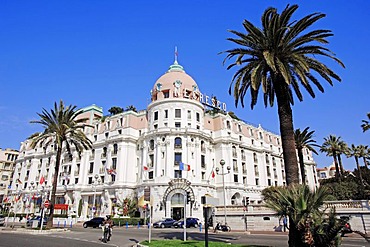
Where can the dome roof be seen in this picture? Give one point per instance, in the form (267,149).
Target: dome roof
(175,83)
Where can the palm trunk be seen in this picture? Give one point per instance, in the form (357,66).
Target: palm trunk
(287,131)
(365,163)
(337,172)
(301,166)
(340,165)
(294,235)
(359,171)
(54,189)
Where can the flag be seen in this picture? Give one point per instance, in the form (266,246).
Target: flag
(184,167)
(213,174)
(42,180)
(19,181)
(146,168)
(111,171)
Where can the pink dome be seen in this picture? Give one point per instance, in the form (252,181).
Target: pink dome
(175,83)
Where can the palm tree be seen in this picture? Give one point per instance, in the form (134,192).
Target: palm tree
(331,147)
(303,207)
(365,154)
(366,126)
(279,58)
(131,108)
(115,110)
(355,151)
(342,149)
(303,139)
(63,128)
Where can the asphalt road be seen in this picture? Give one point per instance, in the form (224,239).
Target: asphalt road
(128,237)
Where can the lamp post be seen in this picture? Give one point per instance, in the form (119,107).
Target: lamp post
(32,187)
(222,163)
(96,182)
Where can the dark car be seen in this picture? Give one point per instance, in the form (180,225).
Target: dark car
(346,229)
(168,222)
(190,222)
(29,222)
(2,220)
(94,222)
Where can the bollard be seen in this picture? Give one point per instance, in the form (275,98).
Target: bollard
(138,225)
(200,227)
(71,223)
(65,224)
(126,225)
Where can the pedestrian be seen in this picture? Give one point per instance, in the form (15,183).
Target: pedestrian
(285,223)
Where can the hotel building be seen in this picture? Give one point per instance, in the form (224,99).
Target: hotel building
(169,153)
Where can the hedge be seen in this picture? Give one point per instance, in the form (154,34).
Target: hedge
(130,221)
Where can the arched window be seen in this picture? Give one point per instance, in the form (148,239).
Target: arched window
(202,146)
(151,144)
(255,158)
(243,154)
(228,124)
(115,149)
(177,199)
(234,152)
(236,199)
(178,142)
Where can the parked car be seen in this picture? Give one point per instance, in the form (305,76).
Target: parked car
(29,222)
(94,222)
(168,222)
(2,220)
(190,222)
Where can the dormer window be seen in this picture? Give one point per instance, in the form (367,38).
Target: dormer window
(166,94)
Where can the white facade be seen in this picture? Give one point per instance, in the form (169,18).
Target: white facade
(134,151)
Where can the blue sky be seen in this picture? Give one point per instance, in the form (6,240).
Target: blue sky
(110,53)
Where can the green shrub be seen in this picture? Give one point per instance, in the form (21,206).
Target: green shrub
(130,221)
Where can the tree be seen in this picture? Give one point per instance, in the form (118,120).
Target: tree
(115,110)
(364,153)
(303,139)
(279,58)
(366,126)
(355,151)
(331,147)
(63,128)
(306,214)
(342,149)
(131,108)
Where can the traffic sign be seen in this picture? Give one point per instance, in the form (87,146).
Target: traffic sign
(46,204)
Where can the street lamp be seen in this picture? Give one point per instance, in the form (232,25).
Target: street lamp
(222,163)
(97,181)
(32,187)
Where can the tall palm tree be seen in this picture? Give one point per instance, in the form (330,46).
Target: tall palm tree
(63,128)
(355,151)
(302,206)
(303,139)
(364,153)
(342,149)
(366,123)
(331,147)
(280,57)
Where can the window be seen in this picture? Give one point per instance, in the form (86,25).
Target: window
(178,142)
(203,175)
(234,152)
(267,159)
(155,126)
(261,136)
(228,125)
(235,178)
(91,168)
(202,147)
(150,175)
(178,158)
(177,113)
(269,182)
(198,117)
(178,174)
(114,163)
(166,94)
(245,180)
(189,115)
(165,113)
(257,181)
(235,165)
(177,124)
(151,144)
(156,116)
(151,160)
(255,158)
(203,161)
(239,128)
(90,180)
(115,149)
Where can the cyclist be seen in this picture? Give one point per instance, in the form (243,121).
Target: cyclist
(108,222)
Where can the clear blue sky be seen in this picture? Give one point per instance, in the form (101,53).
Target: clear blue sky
(110,53)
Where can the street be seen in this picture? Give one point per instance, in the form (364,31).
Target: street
(128,237)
